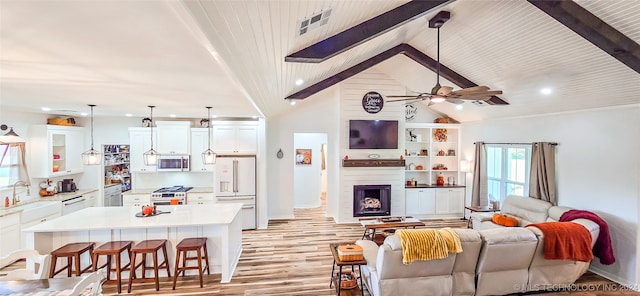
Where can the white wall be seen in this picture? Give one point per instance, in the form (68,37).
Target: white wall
(597,165)
(307,189)
(314,115)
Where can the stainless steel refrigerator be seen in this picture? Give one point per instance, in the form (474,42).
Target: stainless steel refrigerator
(236,182)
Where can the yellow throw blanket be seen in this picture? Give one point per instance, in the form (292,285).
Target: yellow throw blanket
(428,244)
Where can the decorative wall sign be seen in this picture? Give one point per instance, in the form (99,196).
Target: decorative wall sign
(372,102)
(410,111)
(303,156)
(279,154)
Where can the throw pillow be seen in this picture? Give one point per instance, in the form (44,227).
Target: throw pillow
(504,220)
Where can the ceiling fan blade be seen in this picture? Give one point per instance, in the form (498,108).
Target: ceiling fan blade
(473,89)
(408,99)
(407,96)
(475,94)
(455,101)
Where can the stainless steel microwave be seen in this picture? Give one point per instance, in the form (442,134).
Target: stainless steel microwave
(173,163)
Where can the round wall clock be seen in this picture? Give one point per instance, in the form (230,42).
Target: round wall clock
(410,112)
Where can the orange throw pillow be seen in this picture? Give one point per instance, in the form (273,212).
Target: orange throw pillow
(504,220)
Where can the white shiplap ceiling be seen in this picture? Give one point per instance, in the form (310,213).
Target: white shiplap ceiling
(184,55)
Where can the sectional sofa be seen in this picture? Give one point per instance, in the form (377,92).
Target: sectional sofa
(495,260)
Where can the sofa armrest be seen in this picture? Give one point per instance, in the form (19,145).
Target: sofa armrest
(593,227)
(369,251)
(481,216)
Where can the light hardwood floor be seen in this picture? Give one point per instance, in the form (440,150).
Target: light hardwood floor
(292,257)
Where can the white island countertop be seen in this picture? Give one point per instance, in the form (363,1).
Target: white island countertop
(95,218)
(221,224)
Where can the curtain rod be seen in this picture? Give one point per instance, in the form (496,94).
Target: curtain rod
(552,143)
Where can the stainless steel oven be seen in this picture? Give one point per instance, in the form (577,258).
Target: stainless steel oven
(176,195)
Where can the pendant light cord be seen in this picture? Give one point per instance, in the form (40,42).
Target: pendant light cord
(92,125)
(209,127)
(151,125)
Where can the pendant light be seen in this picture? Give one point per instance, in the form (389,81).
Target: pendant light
(10,137)
(208,156)
(91,156)
(151,156)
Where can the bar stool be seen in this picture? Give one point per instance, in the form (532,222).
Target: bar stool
(109,249)
(70,251)
(185,246)
(144,248)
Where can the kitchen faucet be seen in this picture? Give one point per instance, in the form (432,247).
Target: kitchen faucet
(25,184)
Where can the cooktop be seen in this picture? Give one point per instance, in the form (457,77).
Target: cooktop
(174,189)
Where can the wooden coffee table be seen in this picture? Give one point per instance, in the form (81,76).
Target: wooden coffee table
(372,224)
(340,264)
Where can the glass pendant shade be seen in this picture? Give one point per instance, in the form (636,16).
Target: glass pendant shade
(208,156)
(151,157)
(91,156)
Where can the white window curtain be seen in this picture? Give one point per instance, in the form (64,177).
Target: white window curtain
(12,156)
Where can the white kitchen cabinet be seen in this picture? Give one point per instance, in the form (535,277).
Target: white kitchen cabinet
(200,198)
(420,202)
(199,143)
(241,139)
(56,150)
(137,200)
(173,137)
(140,142)
(10,233)
(449,201)
(36,215)
(91,199)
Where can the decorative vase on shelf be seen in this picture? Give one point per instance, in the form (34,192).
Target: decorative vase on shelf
(440,179)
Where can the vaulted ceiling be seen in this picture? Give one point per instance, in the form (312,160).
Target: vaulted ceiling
(183,56)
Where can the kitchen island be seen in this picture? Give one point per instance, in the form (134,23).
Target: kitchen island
(220,223)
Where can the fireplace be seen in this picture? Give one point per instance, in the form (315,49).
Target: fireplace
(371,200)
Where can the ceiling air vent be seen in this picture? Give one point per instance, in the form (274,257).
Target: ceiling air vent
(316,20)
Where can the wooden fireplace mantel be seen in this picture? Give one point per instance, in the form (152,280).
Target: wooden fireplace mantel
(373,163)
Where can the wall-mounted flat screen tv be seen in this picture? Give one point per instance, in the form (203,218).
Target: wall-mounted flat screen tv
(373,134)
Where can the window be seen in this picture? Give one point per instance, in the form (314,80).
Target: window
(508,169)
(9,165)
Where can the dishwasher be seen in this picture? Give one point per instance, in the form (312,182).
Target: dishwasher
(73,205)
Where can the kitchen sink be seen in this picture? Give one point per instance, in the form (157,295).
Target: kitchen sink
(39,209)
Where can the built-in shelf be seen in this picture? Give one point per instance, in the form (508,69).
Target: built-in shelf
(373,163)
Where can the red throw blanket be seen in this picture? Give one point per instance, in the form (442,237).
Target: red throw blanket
(565,241)
(603,248)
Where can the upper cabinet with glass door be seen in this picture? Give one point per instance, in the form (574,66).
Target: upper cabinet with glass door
(56,150)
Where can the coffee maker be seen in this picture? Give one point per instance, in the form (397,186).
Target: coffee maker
(67,185)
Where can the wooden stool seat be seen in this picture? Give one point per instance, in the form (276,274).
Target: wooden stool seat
(144,248)
(109,249)
(70,251)
(185,246)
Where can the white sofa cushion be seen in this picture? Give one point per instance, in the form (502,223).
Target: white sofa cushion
(526,209)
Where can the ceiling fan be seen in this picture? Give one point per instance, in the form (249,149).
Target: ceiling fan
(440,93)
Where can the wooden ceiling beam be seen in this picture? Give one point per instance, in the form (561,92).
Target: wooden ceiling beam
(365,31)
(406,49)
(593,29)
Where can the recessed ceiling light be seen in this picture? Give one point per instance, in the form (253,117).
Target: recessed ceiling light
(84,114)
(128,115)
(546,91)
(299,81)
(46,109)
(459,107)
(254,116)
(172,115)
(214,116)
(292,102)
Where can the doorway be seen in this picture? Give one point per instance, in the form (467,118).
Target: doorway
(309,171)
